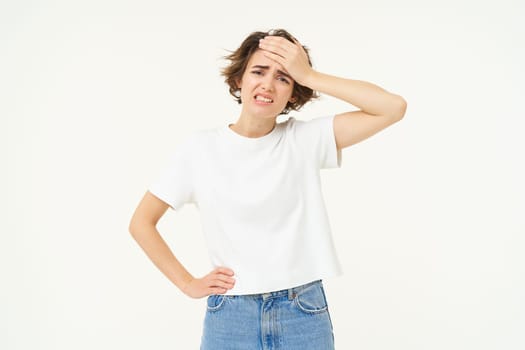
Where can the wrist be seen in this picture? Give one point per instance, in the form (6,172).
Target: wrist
(183,285)
(309,79)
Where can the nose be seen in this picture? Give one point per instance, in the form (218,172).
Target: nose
(267,83)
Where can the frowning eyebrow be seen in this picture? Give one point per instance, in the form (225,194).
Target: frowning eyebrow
(268,67)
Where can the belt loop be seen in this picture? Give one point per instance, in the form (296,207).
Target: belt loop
(291,294)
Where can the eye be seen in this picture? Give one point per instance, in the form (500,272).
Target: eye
(257,72)
(283,79)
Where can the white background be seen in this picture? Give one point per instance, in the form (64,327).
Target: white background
(427,215)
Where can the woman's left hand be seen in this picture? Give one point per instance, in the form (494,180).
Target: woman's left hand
(290,55)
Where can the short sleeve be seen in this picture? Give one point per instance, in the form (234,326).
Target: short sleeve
(174,184)
(317,136)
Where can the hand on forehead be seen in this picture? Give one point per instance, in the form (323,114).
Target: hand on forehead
(277,43)
(260,59)
(291,55)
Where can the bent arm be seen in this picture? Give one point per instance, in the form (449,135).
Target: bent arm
(378,107)
(143,229)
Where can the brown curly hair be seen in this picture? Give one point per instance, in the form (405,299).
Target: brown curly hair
(239,60)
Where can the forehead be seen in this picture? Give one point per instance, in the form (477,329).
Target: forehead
(258,58)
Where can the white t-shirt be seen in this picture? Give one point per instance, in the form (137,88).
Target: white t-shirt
(260,200)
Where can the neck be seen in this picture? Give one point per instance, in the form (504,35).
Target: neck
(253,127)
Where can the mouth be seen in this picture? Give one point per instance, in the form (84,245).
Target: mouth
(264,99)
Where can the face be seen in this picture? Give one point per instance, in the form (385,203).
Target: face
(265,87)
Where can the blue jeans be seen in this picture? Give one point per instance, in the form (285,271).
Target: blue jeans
(291,319)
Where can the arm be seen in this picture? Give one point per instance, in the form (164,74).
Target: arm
(378,108)
(143,229)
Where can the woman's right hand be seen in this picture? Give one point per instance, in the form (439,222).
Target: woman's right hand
(219,281)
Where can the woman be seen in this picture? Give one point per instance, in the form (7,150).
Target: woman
(256,184)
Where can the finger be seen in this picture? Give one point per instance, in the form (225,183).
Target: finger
(221,281)
(222,284)
(283,43)
(225,279)
(213,278)
(274,57)
(274,48)
(224,270)
(275,42)
(279,41)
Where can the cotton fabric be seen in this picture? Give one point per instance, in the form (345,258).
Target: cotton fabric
(260,200)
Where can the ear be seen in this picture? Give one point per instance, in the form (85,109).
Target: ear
(238,83)
(292,99)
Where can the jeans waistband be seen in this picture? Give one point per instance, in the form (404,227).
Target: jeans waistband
(290,292)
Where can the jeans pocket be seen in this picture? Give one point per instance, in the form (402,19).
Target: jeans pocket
(311,300)
(215,302)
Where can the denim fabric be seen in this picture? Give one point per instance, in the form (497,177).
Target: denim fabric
(291,319)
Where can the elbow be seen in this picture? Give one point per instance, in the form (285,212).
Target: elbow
(133,225)
(139,226)
(133,228)
(146,215)
(136,227)
(400,109)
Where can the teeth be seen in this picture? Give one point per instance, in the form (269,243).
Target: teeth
(263,99)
